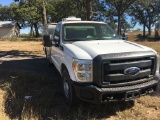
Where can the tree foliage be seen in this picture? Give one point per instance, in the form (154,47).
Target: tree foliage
(5,13)
(113,12)
(78,8)
(145,13)
(29,13)
(118,7)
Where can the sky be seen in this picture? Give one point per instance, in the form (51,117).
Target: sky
(26,30)
(6,2)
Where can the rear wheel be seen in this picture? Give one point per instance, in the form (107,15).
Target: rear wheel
(45,51)
(68,90)
(48,58)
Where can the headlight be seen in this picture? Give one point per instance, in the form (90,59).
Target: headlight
(83,70)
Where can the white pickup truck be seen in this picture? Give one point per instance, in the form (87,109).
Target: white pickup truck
(97,66)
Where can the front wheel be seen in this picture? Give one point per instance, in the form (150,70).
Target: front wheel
(69,93)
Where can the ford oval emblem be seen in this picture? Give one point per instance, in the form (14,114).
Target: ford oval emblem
(132,71)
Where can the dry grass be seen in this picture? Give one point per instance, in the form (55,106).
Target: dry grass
(34,48)
(3,116)
(47,99)
(154,45)
(150,42)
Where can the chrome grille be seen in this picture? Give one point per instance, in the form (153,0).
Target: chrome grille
(113,70)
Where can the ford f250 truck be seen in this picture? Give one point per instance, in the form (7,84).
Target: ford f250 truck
(97,66)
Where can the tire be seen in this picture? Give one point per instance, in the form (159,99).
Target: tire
(68,90)
(45,51)
(50,64)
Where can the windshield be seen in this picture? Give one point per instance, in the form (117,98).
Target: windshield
(88,31)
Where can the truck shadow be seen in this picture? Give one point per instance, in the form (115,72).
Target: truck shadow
(33,90)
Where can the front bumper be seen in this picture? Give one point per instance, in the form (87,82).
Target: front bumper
(94,94)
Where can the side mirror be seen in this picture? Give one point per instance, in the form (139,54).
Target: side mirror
(125,36)
(47,41)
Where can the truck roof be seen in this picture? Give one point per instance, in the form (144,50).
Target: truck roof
(63,22)
(52,26)
(73,19)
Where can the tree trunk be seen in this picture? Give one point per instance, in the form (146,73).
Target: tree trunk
(89,9)
(44,14)
(44,18)
(149,29)
(120,30)
(31,31)
(144,30)
(119,24)
(36,29)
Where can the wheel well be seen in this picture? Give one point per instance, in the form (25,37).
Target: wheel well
(63,67)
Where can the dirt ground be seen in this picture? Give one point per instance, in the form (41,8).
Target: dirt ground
(31,90)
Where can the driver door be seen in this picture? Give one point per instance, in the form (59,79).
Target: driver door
(55,51)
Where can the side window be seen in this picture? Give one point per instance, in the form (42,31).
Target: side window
(57,33)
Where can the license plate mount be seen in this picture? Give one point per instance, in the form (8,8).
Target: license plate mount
(132,94)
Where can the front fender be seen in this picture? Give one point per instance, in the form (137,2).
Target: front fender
(71,51)
(67,62)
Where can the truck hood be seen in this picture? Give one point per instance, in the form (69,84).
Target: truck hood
(99,47)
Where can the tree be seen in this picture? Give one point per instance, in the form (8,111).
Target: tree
(78,8)
(58,9)
(30,12)
(120,6)
(139,16)
(124,24)
(108,13)
(145,13)
(5,14)
(152,13)
(89,9)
